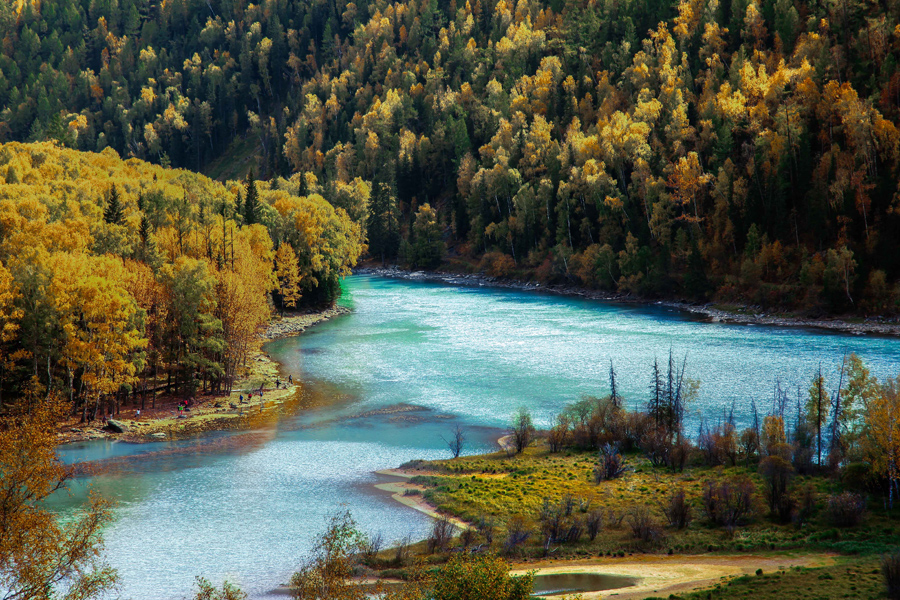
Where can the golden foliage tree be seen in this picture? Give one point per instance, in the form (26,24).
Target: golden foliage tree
(40,556)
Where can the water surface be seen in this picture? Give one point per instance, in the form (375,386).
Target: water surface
(481,353)
(247,506)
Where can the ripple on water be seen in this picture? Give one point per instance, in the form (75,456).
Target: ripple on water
(248,508)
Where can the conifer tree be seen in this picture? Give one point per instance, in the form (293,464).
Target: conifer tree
(251,204)
(113,212)
(144,230)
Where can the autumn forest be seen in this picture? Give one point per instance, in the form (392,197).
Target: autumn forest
(740,151)
(175,175)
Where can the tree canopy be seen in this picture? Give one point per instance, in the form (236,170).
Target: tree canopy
(116,276)
(741,149)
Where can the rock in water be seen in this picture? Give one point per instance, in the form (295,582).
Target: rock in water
(115,426)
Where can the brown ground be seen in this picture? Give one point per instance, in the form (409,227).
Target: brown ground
(665,575)
(657,575)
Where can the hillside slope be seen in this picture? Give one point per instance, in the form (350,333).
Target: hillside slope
(741,150)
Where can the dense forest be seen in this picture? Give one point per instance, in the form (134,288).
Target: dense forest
(122,276)
(738,150)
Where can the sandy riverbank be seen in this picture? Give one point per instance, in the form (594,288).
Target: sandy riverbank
(664,575)
(214,412)
(654,574)
(409,494)
(747,315)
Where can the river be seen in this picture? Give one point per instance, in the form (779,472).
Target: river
(247,506)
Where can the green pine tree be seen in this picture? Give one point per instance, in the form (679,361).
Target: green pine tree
(144,230)
(113,212)
(251,204)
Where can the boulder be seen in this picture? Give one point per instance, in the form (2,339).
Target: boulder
(116,426)
(159,435)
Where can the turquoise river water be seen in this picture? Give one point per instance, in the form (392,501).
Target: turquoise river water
(246,506)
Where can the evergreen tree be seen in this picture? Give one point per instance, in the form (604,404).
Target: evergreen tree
(696,284)
(251,204)
(113,212)
(383,224)
(144,230)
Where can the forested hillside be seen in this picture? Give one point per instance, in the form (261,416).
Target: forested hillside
(736,149)
(120,276)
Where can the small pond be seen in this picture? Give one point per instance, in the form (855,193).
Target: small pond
(576,583)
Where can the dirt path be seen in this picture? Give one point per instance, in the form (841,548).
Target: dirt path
(665,575)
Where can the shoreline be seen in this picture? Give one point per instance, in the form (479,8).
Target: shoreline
(400,489)
(653,574)
(657,575)
(220,412)
(709,311)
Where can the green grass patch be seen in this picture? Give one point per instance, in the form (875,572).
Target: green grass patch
(849,578)
(498,487)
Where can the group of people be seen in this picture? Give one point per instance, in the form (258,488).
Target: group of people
(260,391)
(182,409)
(290,382)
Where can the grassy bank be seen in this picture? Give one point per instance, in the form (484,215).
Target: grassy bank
(536,508)
(508,489)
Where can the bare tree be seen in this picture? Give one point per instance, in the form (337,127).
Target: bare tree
(613,388)
(456,441)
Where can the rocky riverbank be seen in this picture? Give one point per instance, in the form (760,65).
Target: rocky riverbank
(296,324)
(749,315)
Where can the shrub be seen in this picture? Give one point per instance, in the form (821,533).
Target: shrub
(678,510)
(517,533)
(657,447)
(750,444)
(557,523)
(634,428)
(594,523)
(857,476)
(522,429)
(806,505)
(575,531)
(482,576)
(728,503)
(718,445)
(441,533)
(559,434)
(497,264)
(485,527)
(643,526)
(777,474)
(890,570)
(467,537)
(372,546)
(678,456)
(206,591)
(611,464)
(551,518)
(401,550)
(845,510)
